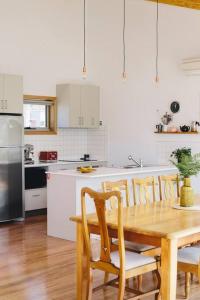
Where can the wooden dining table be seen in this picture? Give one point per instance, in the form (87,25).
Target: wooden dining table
(157,224)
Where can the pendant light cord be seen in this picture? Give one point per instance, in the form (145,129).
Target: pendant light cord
(84,33)
(157,41)
(124,39)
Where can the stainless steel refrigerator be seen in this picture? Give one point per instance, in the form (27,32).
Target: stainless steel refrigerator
(11,167)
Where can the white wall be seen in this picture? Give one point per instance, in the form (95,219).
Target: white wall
(42,40)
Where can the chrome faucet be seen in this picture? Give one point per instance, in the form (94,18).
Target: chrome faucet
(139,164)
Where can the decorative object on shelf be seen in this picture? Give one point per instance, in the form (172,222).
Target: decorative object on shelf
(185,128)
(159,128)
(124,75)
(175,107)
(188,166)
(157,42)
(178,153)
(194,126)
(172,129)
(166,119)
(84,71)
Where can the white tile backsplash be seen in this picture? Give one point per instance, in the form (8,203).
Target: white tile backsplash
(97,143)
(71,143)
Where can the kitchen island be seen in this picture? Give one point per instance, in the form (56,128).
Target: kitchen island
(64,190)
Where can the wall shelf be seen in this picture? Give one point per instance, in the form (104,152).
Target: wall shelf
(177,132)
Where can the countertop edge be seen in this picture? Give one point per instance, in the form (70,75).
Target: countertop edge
(122,173)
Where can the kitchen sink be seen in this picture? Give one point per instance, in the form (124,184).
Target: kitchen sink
(130,167)
(147,165)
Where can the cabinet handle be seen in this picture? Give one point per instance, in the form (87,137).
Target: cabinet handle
(2,106)
(79,121)
(82,123)
(6,104)
(36,195)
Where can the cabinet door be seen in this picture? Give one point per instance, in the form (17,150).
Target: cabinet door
(90,106)
(2,102)
(13,94)
(75,106)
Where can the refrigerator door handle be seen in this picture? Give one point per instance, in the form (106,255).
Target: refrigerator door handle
(3,147)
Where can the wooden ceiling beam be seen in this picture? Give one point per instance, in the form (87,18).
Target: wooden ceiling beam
(194,4)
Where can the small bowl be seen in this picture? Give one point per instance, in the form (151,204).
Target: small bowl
(85,170)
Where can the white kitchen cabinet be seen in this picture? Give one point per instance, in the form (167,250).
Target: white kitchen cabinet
(78,106)
(90,106)
(11,94)
(35,199)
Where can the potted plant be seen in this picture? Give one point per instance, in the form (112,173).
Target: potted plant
(178,153)
(188,165)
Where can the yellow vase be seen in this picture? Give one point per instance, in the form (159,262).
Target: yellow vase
(187,195)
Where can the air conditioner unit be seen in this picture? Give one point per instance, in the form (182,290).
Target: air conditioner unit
(191,66)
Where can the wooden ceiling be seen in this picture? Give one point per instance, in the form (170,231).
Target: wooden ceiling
(195,4)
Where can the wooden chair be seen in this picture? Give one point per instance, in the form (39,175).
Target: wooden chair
(189,263)
(122,263)
(122,185)
(169,187)
(143,188)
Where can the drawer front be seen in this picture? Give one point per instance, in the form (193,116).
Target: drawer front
(35,199)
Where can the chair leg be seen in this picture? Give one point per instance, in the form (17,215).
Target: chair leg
(121,287)
(187,285)
(156,275)
(155,278)
(90,283)
(106,277)
(139,279)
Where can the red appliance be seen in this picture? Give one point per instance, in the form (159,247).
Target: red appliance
(48,156)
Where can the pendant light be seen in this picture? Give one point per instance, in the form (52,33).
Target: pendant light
(124,76)
(84,70)
(157,42)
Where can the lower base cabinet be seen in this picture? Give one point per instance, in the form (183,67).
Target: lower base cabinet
(35,199)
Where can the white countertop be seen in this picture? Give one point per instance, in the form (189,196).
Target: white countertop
(43,164)
(104,172)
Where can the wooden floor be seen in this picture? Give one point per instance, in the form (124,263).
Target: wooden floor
(34,266)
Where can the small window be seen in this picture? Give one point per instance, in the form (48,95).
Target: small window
(39,115)
(36,116)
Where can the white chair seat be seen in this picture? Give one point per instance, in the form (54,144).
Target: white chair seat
(132,260)
(136,247)
(190,255)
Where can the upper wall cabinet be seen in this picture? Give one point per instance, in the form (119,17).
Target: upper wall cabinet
(11,94)
(78,106)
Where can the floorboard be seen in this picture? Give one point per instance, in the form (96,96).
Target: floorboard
(36,267)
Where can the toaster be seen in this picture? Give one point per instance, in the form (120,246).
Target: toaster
(48,156)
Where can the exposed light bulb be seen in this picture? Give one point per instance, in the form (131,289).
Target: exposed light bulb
(84,73)
(157,79)
(124,76)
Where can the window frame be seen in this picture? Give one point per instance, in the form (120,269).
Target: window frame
(52,118)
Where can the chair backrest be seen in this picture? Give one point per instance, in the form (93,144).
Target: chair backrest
(169,187)
(100,205)
(144,191)
(120,185)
